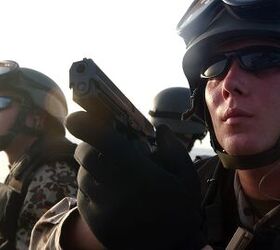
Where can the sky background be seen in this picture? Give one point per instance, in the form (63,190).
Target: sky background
(134,42)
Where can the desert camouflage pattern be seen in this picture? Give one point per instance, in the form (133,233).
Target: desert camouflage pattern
(50,184)
(47,231)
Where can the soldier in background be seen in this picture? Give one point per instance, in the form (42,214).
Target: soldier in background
(168,107)
(41,166)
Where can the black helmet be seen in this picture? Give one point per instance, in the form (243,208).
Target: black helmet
(209,23)
(206,25)
(37,89)
(168,107)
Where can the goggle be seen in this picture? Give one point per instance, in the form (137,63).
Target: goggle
(7,66)
(254,9)
(202,13)
(6,101)
(253,59)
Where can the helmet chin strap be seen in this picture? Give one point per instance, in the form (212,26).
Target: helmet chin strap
(253,161)
(258,160)
(18,127)
(5,140)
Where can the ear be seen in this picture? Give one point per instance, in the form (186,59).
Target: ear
(35,119)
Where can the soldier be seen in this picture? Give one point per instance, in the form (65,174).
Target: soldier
(41,164)
(169,105)
(232,63)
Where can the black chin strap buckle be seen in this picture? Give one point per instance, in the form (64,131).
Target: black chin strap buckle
(186,115)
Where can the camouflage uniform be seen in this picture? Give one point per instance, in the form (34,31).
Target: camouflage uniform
(222,220)
(50,182)
(47,231)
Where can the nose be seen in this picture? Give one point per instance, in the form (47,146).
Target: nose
(235,81)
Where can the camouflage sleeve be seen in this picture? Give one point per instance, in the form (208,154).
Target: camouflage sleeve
(46,232)
(50,184)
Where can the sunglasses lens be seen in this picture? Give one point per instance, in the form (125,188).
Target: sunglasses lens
(216,68)
(256,58)
(260,60)
(5,102)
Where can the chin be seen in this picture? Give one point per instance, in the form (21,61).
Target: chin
(241,146)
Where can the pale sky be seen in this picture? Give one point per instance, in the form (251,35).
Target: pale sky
(134,42)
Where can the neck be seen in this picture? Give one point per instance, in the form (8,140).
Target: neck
(261,183)
(18,146)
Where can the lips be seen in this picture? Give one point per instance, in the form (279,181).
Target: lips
(235,113)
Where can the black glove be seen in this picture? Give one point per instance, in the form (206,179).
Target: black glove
(128,200)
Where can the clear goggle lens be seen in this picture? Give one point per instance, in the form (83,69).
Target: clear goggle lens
(260,10)
(249,3)
(5,102)
(7,66)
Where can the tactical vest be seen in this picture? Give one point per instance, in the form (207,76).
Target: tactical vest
(12,195)
(221,217)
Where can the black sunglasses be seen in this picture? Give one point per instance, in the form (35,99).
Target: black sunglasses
(253,59)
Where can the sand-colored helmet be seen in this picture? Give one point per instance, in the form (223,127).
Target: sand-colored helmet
(43,92)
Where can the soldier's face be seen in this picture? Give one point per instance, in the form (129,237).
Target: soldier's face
(245,106)
(9,109)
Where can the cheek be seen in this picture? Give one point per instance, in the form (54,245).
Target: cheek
(211,99)
(7,119)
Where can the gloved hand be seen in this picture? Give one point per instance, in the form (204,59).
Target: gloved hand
(132,200)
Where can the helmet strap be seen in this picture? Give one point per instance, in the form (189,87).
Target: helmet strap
(258,160)
(251,161)
(261,159)
(5,140)
(186,115)
(18,127)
